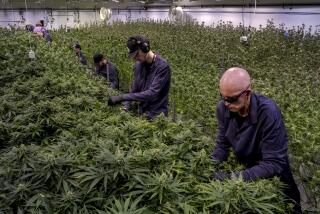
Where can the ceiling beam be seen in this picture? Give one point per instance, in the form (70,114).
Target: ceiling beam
(144,4)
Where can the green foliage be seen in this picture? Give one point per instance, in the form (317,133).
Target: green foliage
(63,150)
(236,197)
(126,207)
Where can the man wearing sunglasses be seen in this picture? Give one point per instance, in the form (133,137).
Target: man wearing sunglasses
(251,124)
(152,74)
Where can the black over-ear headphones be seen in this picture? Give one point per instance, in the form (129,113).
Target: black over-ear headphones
(144,46)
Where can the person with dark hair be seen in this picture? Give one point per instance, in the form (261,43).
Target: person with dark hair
(107,69)
(251,124)
(42,23)
(152,75)
(29,27)
(40,31)
(79,54)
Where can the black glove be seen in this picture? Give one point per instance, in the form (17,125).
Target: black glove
(221,176)
(113,100)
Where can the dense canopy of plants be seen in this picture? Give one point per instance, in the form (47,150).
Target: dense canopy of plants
(64,150)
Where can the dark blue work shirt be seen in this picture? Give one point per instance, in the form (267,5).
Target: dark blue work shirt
(151,87)
(82,58)
(47,36)
(110,72)
(259,140)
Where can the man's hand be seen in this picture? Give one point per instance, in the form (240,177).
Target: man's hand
(113,100)
(221,176)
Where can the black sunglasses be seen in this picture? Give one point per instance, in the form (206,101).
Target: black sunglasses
(233,98)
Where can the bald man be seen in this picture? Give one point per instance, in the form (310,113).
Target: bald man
(251,124)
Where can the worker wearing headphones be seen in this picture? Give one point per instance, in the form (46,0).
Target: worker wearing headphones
(152,75)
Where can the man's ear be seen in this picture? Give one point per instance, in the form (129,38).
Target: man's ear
(248,93)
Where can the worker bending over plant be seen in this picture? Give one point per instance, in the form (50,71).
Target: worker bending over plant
(107,69)
(42,32)
(79,54)
(152,75)
(251,124)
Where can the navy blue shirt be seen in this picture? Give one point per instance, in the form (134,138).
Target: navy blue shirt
(151,87)
(47,36)
(259,140)
(109,71)
(82,58)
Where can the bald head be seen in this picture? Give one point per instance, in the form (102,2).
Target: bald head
(233,81)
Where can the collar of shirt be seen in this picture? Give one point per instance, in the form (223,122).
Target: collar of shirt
(253,109)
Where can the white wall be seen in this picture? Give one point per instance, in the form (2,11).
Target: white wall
(310,16)
(290,17)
